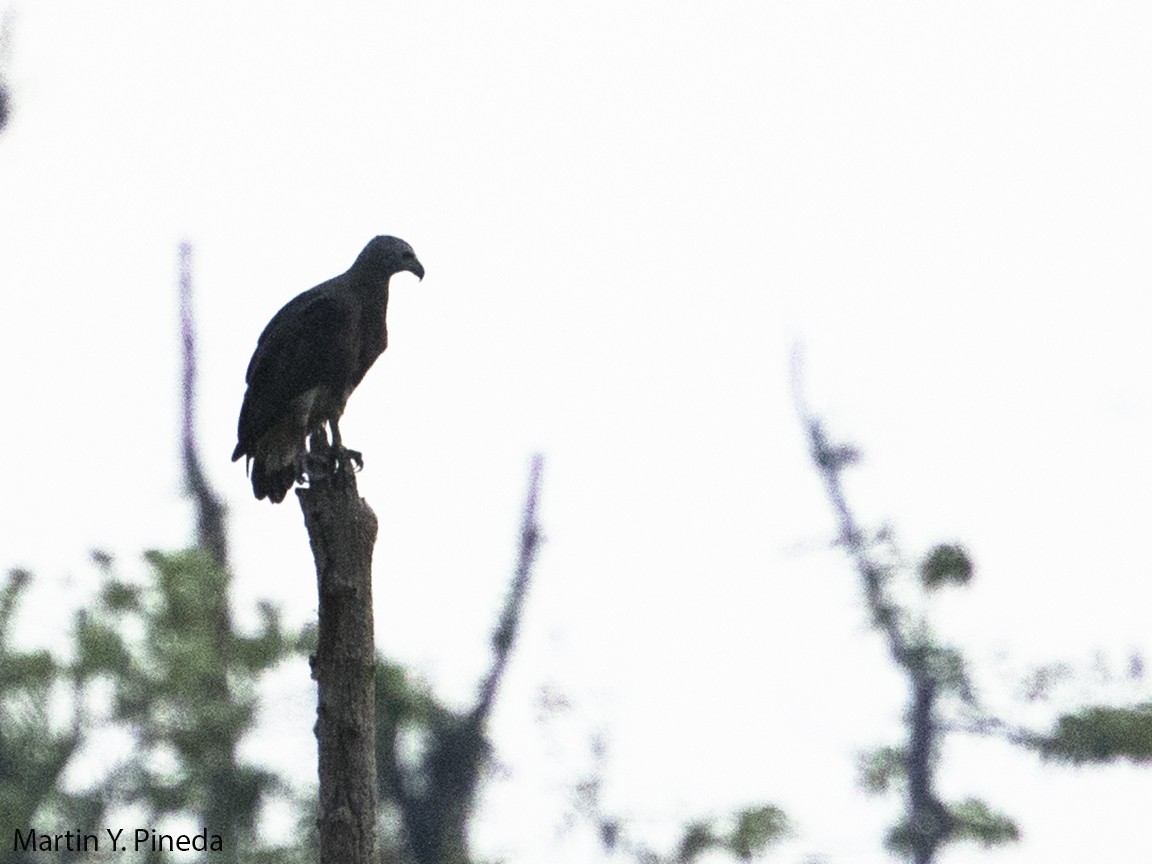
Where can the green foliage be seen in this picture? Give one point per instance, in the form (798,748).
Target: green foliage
(971,819)
(20,670)
(120,597)
(99,648)
(185,687)
(945,666)
(1101,733)
(432,790)
(753,830)
(885,768)
(756,828)
(975,821)
(33,755)
(27,670)
(946,564)
(882,768)
(18,579)
(899,839)
(950,670)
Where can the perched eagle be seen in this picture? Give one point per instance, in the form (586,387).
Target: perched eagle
(308,361)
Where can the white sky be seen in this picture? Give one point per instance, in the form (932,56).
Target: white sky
(628,213)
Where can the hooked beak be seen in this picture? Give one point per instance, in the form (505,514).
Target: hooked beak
(418,269)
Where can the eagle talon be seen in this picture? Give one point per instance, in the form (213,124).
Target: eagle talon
(344,462)
(350,457)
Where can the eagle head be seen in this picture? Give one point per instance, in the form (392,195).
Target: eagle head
(385,255)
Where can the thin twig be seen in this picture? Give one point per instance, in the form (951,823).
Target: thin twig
(505,635)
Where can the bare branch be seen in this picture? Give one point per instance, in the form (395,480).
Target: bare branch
(210,512)
(928,822)
(505,635)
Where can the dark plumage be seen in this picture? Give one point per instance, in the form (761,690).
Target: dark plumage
(308,361)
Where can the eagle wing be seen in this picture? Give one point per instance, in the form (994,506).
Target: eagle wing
(312,342)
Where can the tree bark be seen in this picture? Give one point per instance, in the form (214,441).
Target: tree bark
(928,818)
(342,530)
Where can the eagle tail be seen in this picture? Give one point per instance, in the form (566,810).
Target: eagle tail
(272,483)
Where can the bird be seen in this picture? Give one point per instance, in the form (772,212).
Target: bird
(309,359)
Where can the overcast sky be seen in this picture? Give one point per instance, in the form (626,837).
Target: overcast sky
(629,214)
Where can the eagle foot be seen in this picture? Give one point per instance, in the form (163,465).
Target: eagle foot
(332,463)
(344,463)
(344,457)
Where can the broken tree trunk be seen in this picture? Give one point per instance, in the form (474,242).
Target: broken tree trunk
(342,530)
